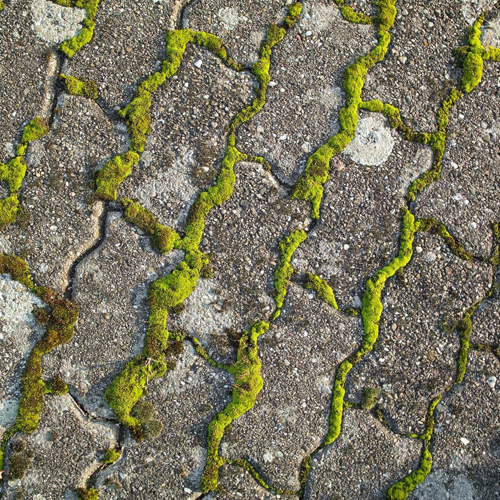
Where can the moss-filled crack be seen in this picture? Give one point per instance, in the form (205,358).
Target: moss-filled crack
(14,171)
(58,320)
(316,174)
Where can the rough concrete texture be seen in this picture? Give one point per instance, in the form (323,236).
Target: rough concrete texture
(277,351)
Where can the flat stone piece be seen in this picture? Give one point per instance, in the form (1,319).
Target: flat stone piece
(414,359)
(127,46)
(173,462)
(359,226)
(345,469)
(241,25)
(66,441)
(299,355)
(59,224)
(466,451)
(305,93)
(23,72)
(465,199)
(178,163)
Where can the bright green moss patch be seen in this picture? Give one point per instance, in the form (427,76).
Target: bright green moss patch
(2,6)
(163,238)
(248,383)
(284,271)
(113,174)
(294,11)
(34,130)
(371,314)
(322,288)
(73,45)
(310,184)
(402,489)
(111,456)
(354,17)
(472,71)
(14,171)
(82,88)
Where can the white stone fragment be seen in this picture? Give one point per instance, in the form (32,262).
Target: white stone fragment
(465,441)
(373,142)
(54,23)
(492,381)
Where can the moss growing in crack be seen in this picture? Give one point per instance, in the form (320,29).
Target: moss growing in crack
(73,45)
(436,227)
(402,489)
(370,397)
(2,6)
(371,314)
(63,315)
(294,11)
(284,271)
(310,184)
(163,238)
(352,16)
(77,87)
(248,383)
(113,173)
(111,456)
(322,288)
(14,171)
(87,494)
(57,387)
(34,130)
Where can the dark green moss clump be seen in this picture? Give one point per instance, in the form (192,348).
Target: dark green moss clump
(87,494)
(82,88)
(152,429)
(370,397)
(20,460)
(113,173)
(143,410)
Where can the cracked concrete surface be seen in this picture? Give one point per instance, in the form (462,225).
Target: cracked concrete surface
(230,343)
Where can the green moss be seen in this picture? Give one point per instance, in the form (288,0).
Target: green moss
(352,16)
(82,88)
(310,184)
(284,271)
(19,463)
(113,174)
(436,227)
(73,45)
(87,494)
(403,488)
(111,456)
(294,11)
(248,383)
(163,238)
(58,387)
(322,288)
(34,130)
(370,397)
(143,411)
(472,71)
(2,6)
(152,429)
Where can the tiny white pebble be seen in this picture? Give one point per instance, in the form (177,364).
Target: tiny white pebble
(465,441)
(198,63)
